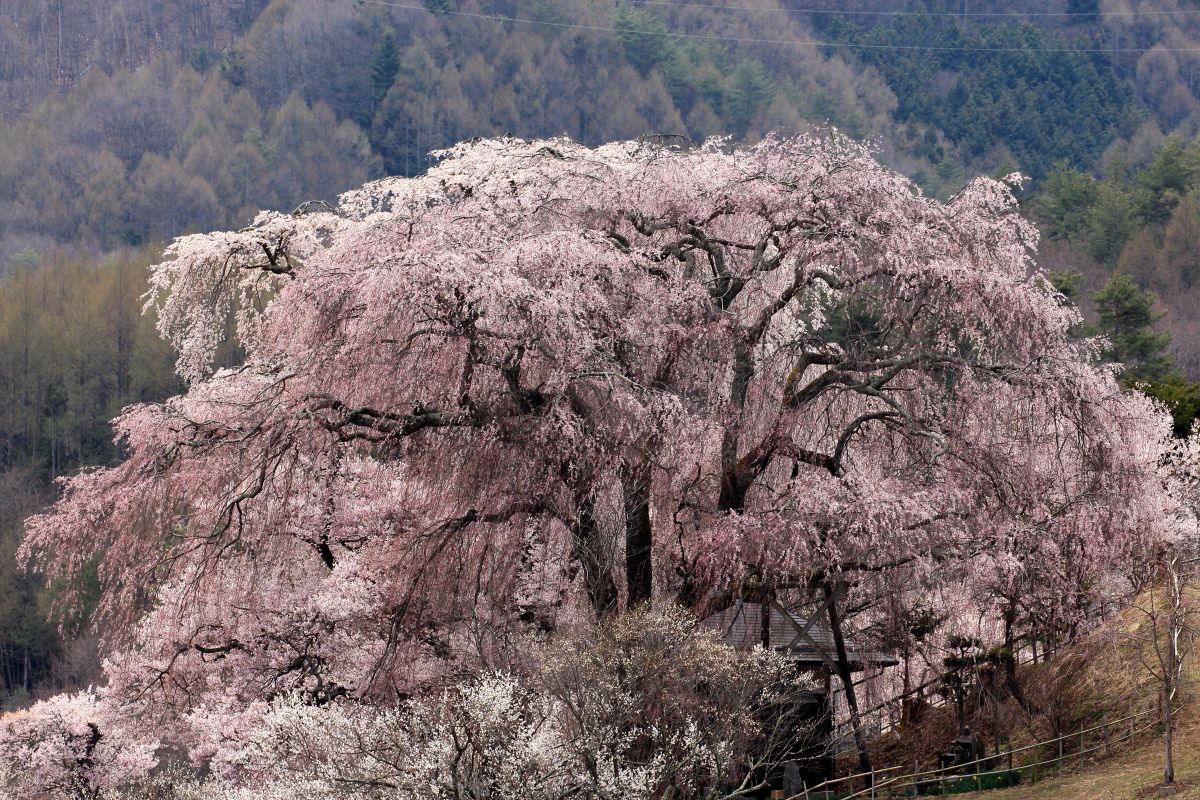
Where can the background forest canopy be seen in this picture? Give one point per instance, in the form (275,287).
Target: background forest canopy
(124,124)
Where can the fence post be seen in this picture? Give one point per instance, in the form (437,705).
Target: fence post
(1081,749)
(1010,756)
(1107,748)
(1060,754)
(872,783)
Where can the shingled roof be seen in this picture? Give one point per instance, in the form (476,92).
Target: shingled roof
(740,626)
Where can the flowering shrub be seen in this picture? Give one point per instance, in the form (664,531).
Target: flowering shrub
(71,746)
(646,703)
(643,703)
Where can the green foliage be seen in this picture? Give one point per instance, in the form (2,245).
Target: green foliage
(1103,217)
(384,66)
(1144,221)
(751,89)
(1167,177)
(1181,243)
(201,58)
(1180,396)
(233,67)
(1069,282)
(1127,318)
(1112,219)
(999,84)
(962,784)
(640,32)
(27,259)
(1064,201)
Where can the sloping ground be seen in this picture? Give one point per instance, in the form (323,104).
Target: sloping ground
(1129,774)
(1099,679)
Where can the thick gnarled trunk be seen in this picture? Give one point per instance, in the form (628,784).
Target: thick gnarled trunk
(639,535)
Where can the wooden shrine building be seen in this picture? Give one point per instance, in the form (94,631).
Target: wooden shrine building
(761,620)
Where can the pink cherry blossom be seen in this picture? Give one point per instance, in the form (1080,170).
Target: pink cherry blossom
(544,382)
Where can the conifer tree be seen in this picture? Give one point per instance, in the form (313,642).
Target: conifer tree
(1127,317)
(384,66)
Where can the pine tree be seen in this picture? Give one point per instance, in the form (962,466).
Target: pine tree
(1127,317)
(384,67)
(638,31)
(752,91)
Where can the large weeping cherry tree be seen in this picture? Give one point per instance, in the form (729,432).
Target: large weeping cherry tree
(543,383)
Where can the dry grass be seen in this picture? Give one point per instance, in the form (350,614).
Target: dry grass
(1128,775)
(1135,769)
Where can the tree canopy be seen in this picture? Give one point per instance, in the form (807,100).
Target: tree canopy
(543,382)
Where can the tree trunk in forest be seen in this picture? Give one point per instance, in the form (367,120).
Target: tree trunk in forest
(1011,659)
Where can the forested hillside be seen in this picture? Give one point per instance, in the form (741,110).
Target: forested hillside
(317,96)
(74,350)
(124,124)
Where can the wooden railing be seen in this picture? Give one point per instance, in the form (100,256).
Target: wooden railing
(882,783)
(887,719)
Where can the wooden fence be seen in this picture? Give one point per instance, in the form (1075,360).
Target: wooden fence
(883,783)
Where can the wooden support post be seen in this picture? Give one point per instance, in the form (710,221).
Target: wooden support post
(1081,749)
(1107,746)
(1060,754)
(1010,756)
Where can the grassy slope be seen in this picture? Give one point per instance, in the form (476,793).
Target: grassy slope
(1135,768)
(1126,775)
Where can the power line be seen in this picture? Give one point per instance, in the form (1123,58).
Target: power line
(869,13)
(752,40)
